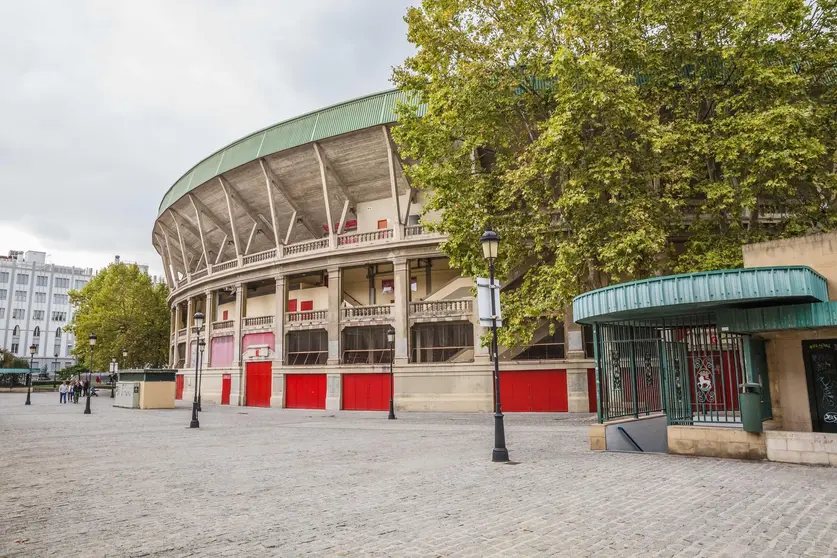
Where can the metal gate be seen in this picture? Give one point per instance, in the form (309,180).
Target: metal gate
(685,366)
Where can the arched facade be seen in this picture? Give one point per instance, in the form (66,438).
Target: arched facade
(302,245)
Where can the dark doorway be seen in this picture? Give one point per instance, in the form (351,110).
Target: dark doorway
(821,372)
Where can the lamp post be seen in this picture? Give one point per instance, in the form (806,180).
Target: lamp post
(92,340)
(391,340)
(198,325)
(490,241)
(112,375)
(55,371)
(199,356)
(32,350)
(116,374)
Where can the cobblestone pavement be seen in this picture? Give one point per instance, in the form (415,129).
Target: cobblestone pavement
(271,482)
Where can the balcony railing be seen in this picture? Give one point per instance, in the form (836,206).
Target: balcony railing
(258,321)
(367,312)
(231,264)
(181,333)
(414,230)
(224,324)
(260,257)
(361,238)
(455,307)
(303,247)
(200,273)
(307,316)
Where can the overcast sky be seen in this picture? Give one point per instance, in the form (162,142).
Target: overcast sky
(104,104)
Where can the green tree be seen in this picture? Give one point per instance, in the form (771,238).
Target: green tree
(608,140)
(8,361)
(125,311)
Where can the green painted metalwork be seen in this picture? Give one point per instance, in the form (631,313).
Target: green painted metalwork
(700,292)
(793,316)
(349,116)
(19,370)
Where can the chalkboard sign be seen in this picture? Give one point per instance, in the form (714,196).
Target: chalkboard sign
(821,372)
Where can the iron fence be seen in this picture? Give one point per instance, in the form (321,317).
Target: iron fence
(683,366)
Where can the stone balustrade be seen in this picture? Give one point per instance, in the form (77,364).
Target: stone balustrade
(260,257)
(224,324)
(258,321)
(364,313)
(364,237)
(307,316)
(231,264)
(304,247)
(434,308)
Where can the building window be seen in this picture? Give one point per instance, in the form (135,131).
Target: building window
(80,284)
(550,346)
(587,332)
(15,347)
(37,315)
(40,297)
(60,299)
(4,276)
(309,347)
(58,333)
(18,313)
(2,313)
(41,280)
(16,331)
(22,278)
(365,345)
(440,342)
(3,294)
(37,333)
(20,296)
(62,282)
(59,316)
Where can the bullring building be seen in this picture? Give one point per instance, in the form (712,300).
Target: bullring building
(302,245)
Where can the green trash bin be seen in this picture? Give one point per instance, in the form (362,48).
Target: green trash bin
(749,401)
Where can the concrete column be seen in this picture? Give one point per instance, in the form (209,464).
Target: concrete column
(334,393)
(335,290)
(573,337)
(173,334)
(209,316)
(190,311)
(238,319)
(279,321)
(277,395)
(402,296)
(578,401)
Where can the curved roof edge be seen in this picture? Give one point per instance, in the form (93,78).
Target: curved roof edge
(348,116)
(695,292)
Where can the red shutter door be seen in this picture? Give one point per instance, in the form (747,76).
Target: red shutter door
(258,384)
(306,305)
(591,389)
(305,391)
(292,305)
(178,389)
(226,388)
(534,391)
(365,392)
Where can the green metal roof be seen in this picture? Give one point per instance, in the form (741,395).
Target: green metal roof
(700,292)
(794,316)
(349,116)
(19,370)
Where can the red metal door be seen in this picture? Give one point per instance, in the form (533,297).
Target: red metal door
(257,392)
(178,387)
(305,391)
(366,392)
(534,391)
(226,388)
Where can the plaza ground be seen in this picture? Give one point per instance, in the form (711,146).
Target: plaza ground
(273,482)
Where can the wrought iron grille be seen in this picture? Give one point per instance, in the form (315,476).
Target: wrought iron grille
(684,366)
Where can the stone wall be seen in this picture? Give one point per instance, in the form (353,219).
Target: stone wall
(716,441)
(811,448)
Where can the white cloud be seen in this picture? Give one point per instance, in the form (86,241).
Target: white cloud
(105,103)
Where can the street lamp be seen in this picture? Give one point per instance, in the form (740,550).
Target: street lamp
(199,356)
(391,340)
(55,371)
(198,325)
(490,241)
(32,350)
(116,374)
(112,372)
(92,340)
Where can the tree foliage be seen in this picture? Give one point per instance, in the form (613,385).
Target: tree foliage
(609,140)
(125,311)
(9,361)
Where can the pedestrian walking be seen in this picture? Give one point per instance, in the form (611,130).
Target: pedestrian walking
(76,392)
(62,392)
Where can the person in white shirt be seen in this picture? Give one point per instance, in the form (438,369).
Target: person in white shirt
(62,392)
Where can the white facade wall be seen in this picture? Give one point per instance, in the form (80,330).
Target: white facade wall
(34,298)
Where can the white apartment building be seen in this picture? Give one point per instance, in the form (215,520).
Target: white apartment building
(35,307)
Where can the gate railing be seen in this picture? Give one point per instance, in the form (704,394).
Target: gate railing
(685,367)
